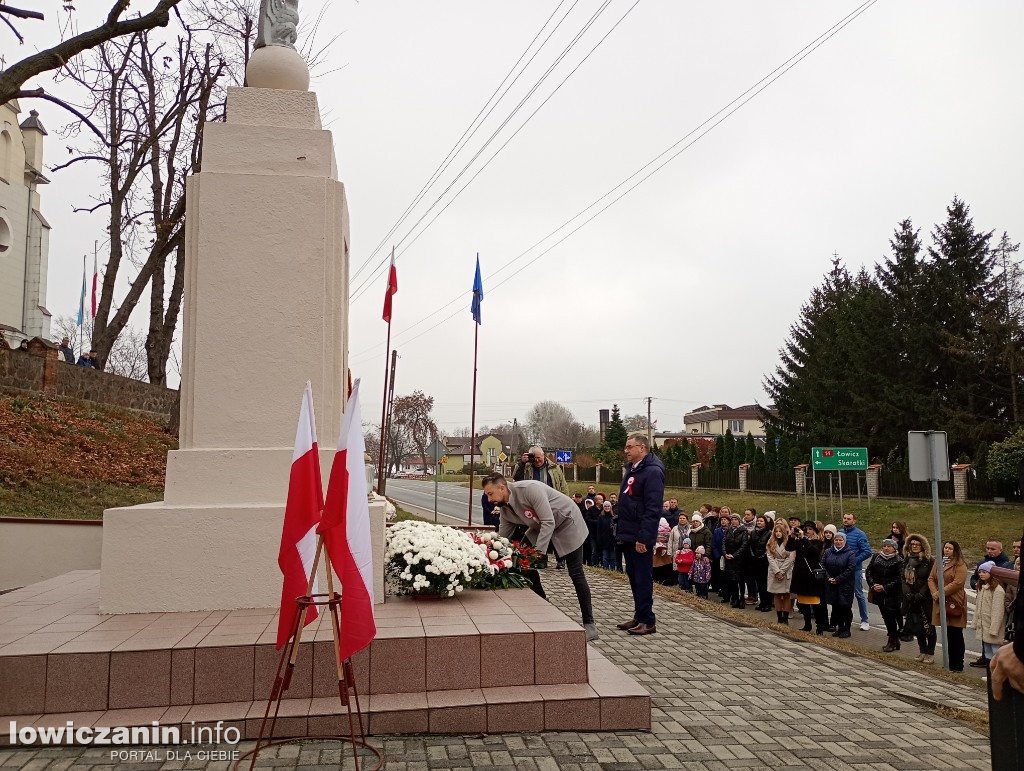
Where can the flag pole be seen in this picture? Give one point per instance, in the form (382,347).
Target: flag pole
(472,425)
(384,401)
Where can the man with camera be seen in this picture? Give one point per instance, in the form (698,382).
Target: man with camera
(534,465)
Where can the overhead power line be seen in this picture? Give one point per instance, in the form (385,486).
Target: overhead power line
(658,162)
(367,282)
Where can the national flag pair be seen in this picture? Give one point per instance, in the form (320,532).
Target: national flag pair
(344,525)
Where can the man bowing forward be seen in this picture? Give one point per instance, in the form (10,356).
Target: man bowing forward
(551,518)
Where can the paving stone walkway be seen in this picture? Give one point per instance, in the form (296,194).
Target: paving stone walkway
(723,697)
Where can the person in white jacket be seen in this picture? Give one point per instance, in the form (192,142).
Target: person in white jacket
(990,610)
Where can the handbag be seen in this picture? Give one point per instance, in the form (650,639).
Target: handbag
(819,573)
(954,609)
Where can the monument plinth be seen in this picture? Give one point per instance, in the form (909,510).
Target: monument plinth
(266,308)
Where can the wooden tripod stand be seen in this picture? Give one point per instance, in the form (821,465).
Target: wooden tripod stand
(347,690)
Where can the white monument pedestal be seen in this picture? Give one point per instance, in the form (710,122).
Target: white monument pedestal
(266,308)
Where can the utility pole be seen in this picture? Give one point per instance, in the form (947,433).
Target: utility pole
(650,429)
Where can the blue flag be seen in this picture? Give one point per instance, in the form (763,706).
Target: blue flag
(81,300)
(478,292)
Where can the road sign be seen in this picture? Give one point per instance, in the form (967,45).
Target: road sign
(503,457)
(444,459)
(929,456)
(564,456)
(839,458)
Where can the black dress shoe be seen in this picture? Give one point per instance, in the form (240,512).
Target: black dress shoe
(643,629)
(627,625)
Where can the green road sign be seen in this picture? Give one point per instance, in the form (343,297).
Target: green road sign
(839,458)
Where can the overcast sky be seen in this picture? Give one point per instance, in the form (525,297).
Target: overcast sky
(685,289)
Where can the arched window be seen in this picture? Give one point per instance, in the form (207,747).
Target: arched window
(6,155)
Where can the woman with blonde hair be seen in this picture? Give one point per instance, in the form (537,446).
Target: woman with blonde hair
(780,570)
(807,582)
(954,578)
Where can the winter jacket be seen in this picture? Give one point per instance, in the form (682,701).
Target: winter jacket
(889,574)
(807,559)
(640,497)
(701,537)
(759,542)
(857,540)
(700,572)
(549,474)
(736,543)
(684,561)
(990,614)
(1002,561)
(718,541)
(841,565)
(780,563)
(675,539)
(954,576)
(605,532)
(917,597)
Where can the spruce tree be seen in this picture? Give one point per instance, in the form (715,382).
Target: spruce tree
(615,434)
(750,449)
(718,459)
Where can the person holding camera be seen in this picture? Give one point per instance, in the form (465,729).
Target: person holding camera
(534,465)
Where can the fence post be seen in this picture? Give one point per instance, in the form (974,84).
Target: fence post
(597,473)
(874,471)
(744,467)
(575,472)
(960,482)
(694,475)
(801,478)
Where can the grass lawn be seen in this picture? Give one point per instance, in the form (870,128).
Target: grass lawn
(62,497)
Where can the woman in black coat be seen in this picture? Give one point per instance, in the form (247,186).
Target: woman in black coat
(917,597)
(840,563)
(758,567)
(736,546)
(809,589)
(884,577)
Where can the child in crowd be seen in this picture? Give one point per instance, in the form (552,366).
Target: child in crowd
(700,572)
(684,561)
(990,613)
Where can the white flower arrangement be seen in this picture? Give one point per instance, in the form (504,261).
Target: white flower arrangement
(426,558)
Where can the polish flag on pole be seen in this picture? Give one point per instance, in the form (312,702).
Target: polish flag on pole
(392,288)
(346,530)
(301,517)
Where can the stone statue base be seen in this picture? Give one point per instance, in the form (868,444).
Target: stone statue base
(266,308)
(277,67)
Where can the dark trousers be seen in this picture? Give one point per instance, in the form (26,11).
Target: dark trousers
(926,640)
(842,616)
(608,558)
(683,579)
(716,577)
(588,551)
(702,590)
(820,613)
(751,577)
(891,618)
(955,635)
(534,576)
(641,581)
(761,579)
(620,551)
(574,566)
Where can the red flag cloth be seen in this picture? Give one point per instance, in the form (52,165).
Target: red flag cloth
(95,283)
(392,288)
(301,517)
(346,530)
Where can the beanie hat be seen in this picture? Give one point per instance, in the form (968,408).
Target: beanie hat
(700,550)
(986,566)
(890,542)
(696,517)
(830,529)
(734,515)
(687,542)
(839,534)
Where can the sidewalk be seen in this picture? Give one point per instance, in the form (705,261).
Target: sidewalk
(724,697)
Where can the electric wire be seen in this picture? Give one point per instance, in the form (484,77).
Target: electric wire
(367,282)
(728,111)
(472,128)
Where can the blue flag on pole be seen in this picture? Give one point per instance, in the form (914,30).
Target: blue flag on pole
(478,292)
(81,300)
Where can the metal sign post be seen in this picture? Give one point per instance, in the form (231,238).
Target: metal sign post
(437,472)
(929,462)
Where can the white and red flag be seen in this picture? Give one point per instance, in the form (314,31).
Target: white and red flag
(301,517)
(392,288)
(95,283)
(346,530)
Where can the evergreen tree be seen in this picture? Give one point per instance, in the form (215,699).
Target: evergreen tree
(771,453)
(760,462)
(749,449)
(718,459)
(729,456)
(615,434)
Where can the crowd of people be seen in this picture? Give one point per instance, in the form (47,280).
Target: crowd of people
(64,351)
(821,572)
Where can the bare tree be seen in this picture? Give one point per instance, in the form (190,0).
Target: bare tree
(547,422)
(411,417)
(152,99)
(14,77)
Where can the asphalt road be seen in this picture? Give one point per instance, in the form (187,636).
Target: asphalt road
(452,500)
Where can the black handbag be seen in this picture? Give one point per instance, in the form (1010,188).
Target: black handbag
(819,573)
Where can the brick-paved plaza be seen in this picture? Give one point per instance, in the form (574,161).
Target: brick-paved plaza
(723,697)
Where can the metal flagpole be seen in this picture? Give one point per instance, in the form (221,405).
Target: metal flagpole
(437,470)
(472,424)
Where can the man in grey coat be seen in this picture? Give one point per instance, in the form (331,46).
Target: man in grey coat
(551,518)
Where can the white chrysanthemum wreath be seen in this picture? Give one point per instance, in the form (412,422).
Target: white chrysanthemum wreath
(424,558)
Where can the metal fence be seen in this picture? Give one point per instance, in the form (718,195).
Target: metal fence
(771,481)
(728,479)
(897,484)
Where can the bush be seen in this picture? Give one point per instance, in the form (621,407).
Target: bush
(1005,457)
